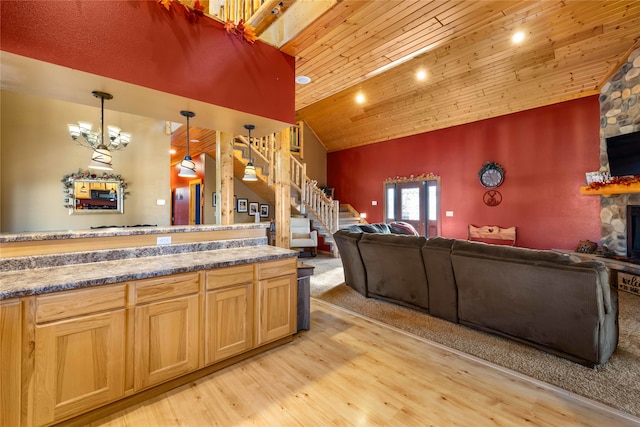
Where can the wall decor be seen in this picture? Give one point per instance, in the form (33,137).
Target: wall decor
(492,198)
(599,176)
(411,178)
(253,208)
(264,211)
(88,192)
(243,205)
(491,175)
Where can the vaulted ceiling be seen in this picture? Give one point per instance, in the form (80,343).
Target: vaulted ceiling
(473,70)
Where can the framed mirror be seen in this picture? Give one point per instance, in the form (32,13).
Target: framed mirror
(88,193)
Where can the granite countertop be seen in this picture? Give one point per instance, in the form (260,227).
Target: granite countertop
(19,283)
(121,231)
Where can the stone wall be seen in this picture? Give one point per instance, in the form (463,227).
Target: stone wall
(619,114)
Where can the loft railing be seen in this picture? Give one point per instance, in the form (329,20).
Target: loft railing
(249,11)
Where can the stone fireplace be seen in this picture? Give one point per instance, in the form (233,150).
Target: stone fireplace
(619,114)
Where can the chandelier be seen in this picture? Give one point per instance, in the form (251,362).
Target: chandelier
(83,134)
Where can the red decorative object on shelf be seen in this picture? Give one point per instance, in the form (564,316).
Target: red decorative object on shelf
(623,180)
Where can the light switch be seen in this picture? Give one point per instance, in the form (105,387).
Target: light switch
(161,202)
(448,213)
(374,203)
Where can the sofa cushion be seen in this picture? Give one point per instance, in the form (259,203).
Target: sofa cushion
(395,269)
(443,293)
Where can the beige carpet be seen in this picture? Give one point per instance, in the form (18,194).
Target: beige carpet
(616,384)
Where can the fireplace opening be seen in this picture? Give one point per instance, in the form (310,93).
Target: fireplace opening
(633,232)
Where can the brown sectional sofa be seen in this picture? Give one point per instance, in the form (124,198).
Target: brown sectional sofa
(537,297)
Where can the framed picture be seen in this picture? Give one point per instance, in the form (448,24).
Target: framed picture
(264,211)
(214,200)
(253,208)
(242,205)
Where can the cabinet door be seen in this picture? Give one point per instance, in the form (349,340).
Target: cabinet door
(79,365)
(229,317)
(277,307)
(10,367)
(166,340)
(228,322)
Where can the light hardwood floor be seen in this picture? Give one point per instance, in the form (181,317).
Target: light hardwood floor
(349,371)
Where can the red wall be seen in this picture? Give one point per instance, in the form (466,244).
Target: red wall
(545,153)
(142,43)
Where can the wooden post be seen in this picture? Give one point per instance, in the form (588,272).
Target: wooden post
(283,188)
(224,178)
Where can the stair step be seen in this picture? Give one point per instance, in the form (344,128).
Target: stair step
(349,221)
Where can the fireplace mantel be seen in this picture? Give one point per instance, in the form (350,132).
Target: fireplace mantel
(610,189)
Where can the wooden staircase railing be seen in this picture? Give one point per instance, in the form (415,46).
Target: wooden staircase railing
(313,200)
(324,209)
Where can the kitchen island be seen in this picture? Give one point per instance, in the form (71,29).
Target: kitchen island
(96,329)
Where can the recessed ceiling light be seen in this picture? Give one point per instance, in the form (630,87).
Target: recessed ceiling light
(517,37)
(303,80)
(421,75)
(360,98)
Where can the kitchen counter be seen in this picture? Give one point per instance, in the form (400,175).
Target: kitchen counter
(16,283)
(121,231)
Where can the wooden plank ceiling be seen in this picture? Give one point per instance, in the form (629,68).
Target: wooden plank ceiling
(473,69)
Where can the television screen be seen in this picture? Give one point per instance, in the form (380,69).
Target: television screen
(624,154)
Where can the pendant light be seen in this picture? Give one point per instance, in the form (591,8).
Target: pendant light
(187,166)
(250,169)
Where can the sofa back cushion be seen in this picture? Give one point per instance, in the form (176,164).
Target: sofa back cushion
(395,268)
(443,294)
(300,227)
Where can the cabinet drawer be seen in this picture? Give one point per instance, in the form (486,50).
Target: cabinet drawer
(277,268)
(227,276)
(67,304)
(159,288)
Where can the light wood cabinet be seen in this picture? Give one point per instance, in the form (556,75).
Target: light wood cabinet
(277,296)
(79,354)
(67,353)
(229,315)
(167,322)
(10,366)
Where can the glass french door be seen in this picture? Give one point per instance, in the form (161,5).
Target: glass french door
(416,203)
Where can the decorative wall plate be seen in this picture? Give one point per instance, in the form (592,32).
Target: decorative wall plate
(492,198)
